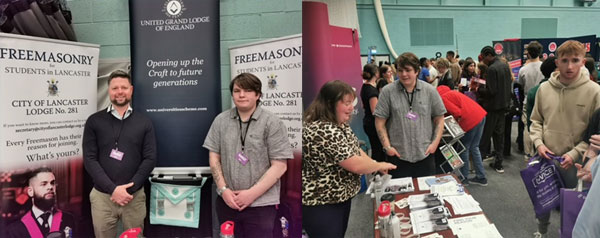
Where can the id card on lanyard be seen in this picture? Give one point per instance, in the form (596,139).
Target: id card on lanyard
(115,153)
(411,114)
(241,156)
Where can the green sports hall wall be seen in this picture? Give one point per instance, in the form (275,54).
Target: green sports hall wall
(476,22)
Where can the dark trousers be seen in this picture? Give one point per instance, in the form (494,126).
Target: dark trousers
(520,143)
(250,222)
(507,131)
(494,128)
(425,167)
(376,147)
(326,221)
(439,160)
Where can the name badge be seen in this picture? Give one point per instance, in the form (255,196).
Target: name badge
(411,115)
(116,154)
(241,157)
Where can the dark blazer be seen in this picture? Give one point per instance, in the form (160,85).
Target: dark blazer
(499,87)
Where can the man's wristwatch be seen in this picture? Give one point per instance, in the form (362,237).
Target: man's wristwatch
(221,190)
(385,149)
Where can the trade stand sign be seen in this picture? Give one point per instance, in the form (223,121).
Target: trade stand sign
(47,90)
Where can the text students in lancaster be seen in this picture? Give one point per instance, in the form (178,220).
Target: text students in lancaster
(119,152)
(248,148)
(44,219)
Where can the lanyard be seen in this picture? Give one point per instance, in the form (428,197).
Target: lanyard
(118,134)
(243,135)
(412,96)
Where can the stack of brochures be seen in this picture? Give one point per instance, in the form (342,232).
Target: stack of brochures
(422,201)
(440,180)
(463,204)
(476,226)
(448,189)
(422,181)
(427,213)
(399,185)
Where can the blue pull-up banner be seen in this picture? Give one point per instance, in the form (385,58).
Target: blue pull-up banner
(176,74)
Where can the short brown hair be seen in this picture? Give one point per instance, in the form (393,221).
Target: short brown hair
(324,105)
(408,59)
(247,81)
(534,49)
(571,47)
(119,74)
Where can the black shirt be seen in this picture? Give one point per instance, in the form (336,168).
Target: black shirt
(366,93)
(499,87)
(447,80)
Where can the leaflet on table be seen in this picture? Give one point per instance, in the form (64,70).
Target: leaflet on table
(434,235)
(429,214)
(486,231)
(440,180)
(463,204)
(421,201)
(399,185)
(448,189)
(430,226)
(471,226)
(422,182)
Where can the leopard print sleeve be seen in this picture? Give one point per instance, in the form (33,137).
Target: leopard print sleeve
(324,146)
(341,143)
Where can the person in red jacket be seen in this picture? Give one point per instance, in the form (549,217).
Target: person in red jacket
(471,118)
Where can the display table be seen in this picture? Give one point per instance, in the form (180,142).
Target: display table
(406,210)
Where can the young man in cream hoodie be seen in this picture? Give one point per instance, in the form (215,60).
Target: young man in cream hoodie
(563,107)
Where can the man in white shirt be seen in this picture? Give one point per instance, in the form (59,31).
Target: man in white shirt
(433,73)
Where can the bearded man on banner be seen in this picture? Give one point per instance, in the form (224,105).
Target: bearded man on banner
(44,219)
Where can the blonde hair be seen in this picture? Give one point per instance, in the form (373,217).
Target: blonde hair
(571,47)
(443,63)
(455,72)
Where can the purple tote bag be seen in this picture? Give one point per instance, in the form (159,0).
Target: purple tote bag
(571,201)
(543,184)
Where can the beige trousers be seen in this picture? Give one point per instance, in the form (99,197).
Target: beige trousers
(106,214)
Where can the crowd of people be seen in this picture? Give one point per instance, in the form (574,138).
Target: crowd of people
(555,100)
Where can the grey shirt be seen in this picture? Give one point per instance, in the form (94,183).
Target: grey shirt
(266,140)
(410,138)
(530,75)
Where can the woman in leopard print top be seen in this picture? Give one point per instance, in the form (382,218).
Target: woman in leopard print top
(332,161)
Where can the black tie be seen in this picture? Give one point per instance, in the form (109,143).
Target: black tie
(45,225)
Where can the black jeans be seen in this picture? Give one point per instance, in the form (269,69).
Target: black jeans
(326,221)
(425,167)
(376,147)
(494,129)
(250,222)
